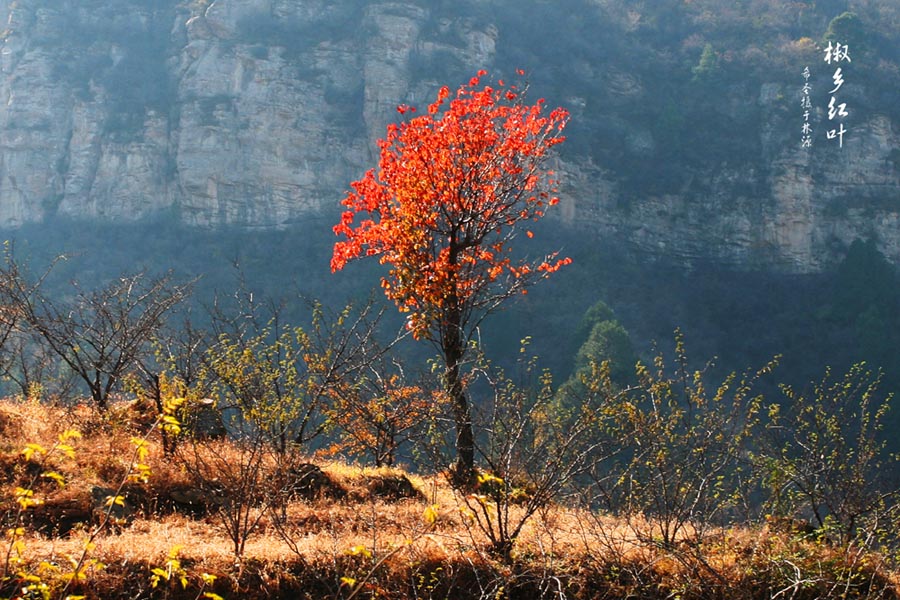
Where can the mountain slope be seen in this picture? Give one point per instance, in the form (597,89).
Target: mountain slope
(685,140)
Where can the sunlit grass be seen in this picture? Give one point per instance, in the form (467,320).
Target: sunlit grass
(425,546)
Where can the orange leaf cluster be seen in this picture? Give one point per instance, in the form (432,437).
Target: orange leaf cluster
(451,189)
(376,420)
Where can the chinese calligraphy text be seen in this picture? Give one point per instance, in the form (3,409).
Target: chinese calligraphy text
(836,53)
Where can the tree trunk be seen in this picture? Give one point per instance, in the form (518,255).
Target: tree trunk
(464,469)
(454,347)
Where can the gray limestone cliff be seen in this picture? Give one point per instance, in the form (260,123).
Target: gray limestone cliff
(258,113)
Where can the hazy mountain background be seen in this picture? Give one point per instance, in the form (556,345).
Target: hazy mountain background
(195,135)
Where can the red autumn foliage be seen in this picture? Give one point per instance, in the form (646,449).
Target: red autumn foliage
(451,189)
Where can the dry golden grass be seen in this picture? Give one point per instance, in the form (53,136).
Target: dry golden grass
(422,547)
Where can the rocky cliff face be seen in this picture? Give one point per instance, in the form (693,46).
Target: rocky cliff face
(799,212)
(259,112)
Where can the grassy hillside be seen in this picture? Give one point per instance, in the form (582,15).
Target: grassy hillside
(350,532)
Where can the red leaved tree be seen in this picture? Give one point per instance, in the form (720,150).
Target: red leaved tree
(453,190)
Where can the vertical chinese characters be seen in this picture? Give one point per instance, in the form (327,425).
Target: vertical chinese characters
(806,104)
(835,54)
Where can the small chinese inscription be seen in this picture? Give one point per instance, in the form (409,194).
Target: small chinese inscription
(806,104)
